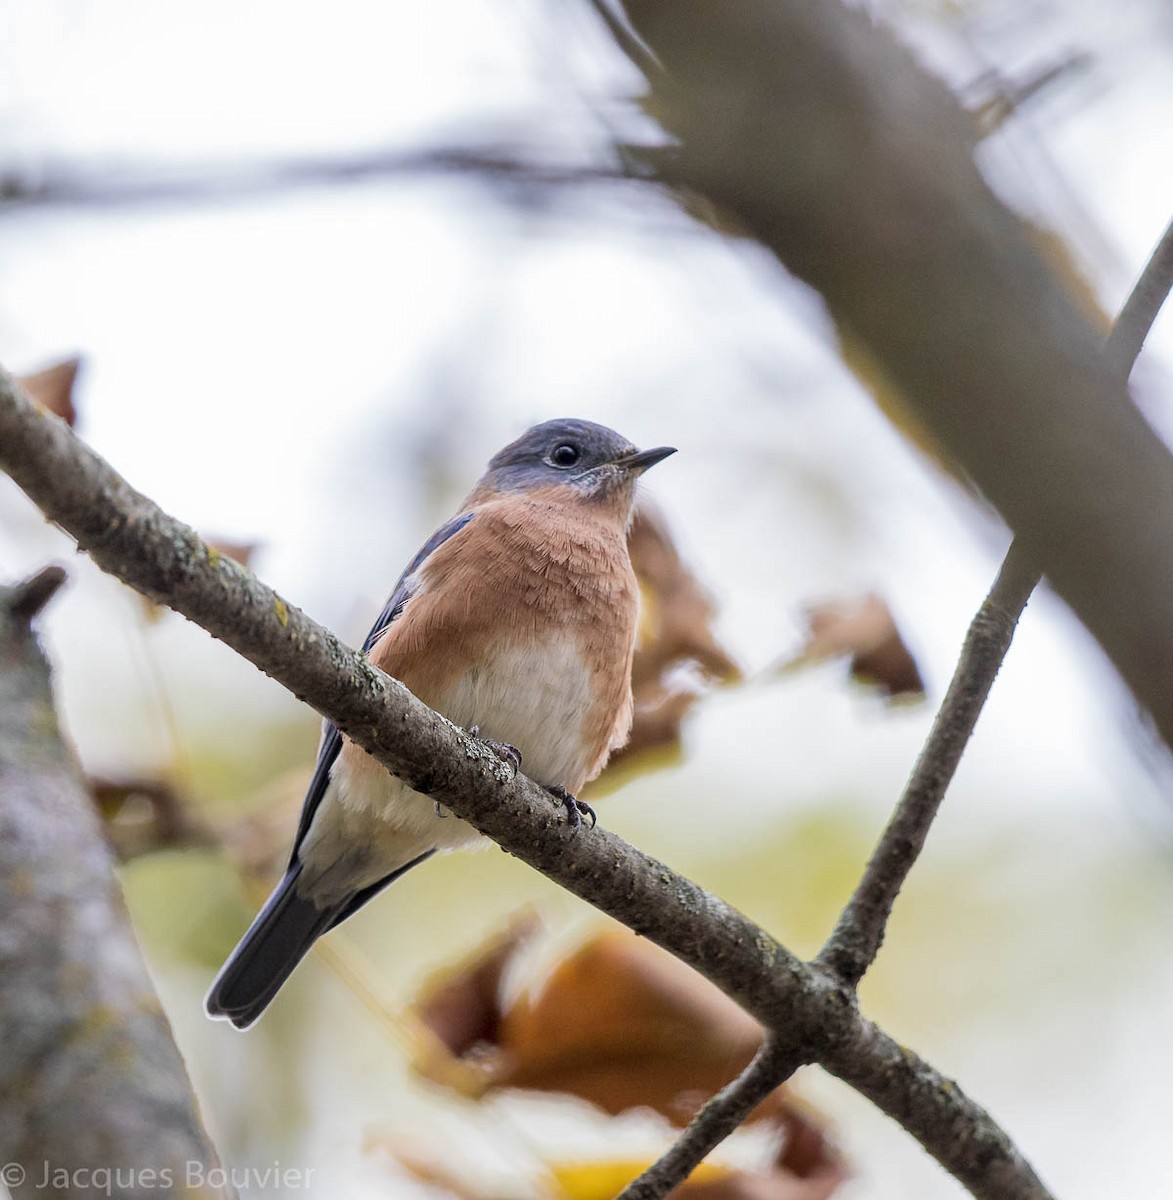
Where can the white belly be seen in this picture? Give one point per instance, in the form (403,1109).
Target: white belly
(536,701)
(369,823)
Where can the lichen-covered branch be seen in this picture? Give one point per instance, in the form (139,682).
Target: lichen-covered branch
(130,536)
(93,1094)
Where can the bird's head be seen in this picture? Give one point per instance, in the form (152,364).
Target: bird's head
(584,461)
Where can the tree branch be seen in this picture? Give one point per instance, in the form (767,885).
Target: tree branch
(772,1064)
(92,1089)
(1140,310)
(131,537)
(857,937)
(822,136)
(746,86)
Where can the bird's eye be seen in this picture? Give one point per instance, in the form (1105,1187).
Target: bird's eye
(564,455)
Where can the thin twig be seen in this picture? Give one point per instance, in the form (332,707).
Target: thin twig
(1140,310)
(859,932)
(856,939)
(498,166)
(773,1063)
(27,598)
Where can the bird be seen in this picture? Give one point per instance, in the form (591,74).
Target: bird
(517,621)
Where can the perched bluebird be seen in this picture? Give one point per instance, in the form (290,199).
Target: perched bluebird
(517,621)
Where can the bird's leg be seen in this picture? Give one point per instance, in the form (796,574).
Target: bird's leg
(576,809)
(503,750)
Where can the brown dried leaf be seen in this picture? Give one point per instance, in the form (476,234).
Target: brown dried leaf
(461,1006)
(806,1166)
(675,632)
(141,816)
(807,1151)
(52,388)
(675,624)
(621,1024)
(866,630)
(625,1025)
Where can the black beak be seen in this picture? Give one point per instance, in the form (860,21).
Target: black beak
(640,460)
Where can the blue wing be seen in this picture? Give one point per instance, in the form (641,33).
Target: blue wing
(331,738)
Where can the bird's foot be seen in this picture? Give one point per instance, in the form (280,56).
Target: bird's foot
(576,809)
(503,750)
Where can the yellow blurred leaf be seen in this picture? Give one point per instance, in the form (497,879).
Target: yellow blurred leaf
(605,1180)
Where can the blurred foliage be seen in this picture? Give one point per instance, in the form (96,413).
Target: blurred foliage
(864,630)
(622,1025)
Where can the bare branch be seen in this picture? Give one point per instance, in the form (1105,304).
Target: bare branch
(90,1079)
(982,1156)
(131,537)
(853,945)
(1140,310)
(504,166)
(772,1065)
(859,932)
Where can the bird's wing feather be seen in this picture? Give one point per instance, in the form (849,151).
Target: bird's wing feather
(331,742)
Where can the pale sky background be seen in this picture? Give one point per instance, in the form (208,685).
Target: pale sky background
(325,369)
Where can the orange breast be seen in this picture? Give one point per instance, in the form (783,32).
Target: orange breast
(525,624)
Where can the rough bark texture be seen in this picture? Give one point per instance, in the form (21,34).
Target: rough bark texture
(93,1093)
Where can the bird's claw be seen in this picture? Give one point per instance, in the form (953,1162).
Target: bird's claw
(576,809)
(503,750)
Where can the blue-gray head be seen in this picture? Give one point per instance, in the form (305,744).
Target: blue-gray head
(591,458)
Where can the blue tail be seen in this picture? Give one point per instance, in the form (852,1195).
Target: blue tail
(275,943)
(279,938)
